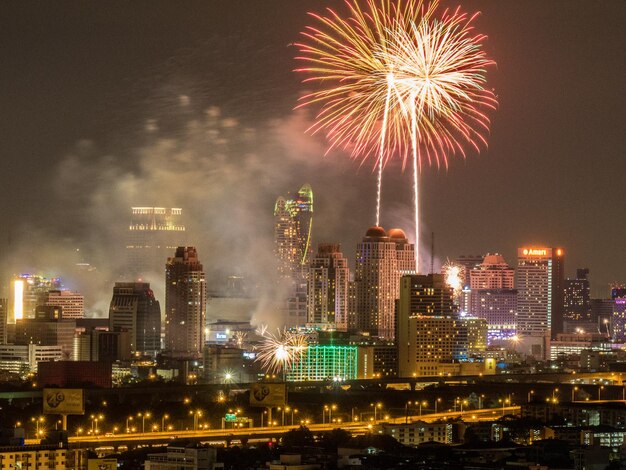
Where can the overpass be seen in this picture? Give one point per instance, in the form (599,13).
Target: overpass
(263,434)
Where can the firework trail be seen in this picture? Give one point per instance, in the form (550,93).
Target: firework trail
(279,351)
(398,80)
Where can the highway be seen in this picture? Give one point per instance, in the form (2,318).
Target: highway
(265,433)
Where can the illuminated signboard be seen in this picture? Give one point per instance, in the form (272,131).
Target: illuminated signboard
(535,252)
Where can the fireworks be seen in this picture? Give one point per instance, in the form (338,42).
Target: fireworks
(455,277)
(398,80)
(240,338)
(279,351)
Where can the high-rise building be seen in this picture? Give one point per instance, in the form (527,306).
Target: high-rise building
(576,297)
(428,329)
(134,309)
(540,291)
(469,262)
(185,304)
(618,294)
(4,316)
(602,315)
(153,233)
(405,252)
(327,294)
(72,303)
(27,292)
(293,221)
(493,297)
(477,333)
(377,282)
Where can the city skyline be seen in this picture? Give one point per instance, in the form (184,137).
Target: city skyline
(538,151)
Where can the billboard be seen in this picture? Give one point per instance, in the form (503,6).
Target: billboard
(63,401)
(102,464)
(266,394)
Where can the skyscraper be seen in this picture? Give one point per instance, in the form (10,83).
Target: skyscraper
(381,258)
(540,291)
(152,235)
(134,308)
(327,294)
(493,297)
(293,221)
(185,304)
(576,298)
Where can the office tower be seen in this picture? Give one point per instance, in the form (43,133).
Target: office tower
(540,291)
(4,316)
(377,283)
(293,219)
(185,304)
(72,303)
(153,233)
(134,309)
(48,328)
(327,294)
(27,291)
(618,295)
(576,297)
(493,297)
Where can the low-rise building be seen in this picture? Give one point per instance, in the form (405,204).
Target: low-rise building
(184,458)
(419,432)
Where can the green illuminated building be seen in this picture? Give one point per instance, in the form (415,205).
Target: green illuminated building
(330,362)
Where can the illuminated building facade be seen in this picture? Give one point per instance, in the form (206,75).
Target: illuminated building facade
(377,284)
(405,252)
(71,303)
(330,362)
(27,292)
(428,329)
(618,294)
(185,304)
(327,293)
(153,233)
(493,296)
(477,330)
(468,262)
(23,359)
(540,282)
(134,308)
(293,221)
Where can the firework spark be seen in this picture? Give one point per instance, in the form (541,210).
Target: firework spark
(455,277)
(240,338)
(279,351)
(398,79)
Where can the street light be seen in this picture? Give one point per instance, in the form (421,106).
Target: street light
(406,412)
(480,401)
(574,390)
(165,416)
(130,418)
(376,406)
(532,392)
(143,417)
(600,388)
(424,403)
(437,401)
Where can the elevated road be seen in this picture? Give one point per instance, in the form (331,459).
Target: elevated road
(220,436)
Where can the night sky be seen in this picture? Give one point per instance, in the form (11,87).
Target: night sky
(104,106)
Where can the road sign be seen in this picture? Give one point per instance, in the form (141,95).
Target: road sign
(230,418)
(242,419)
